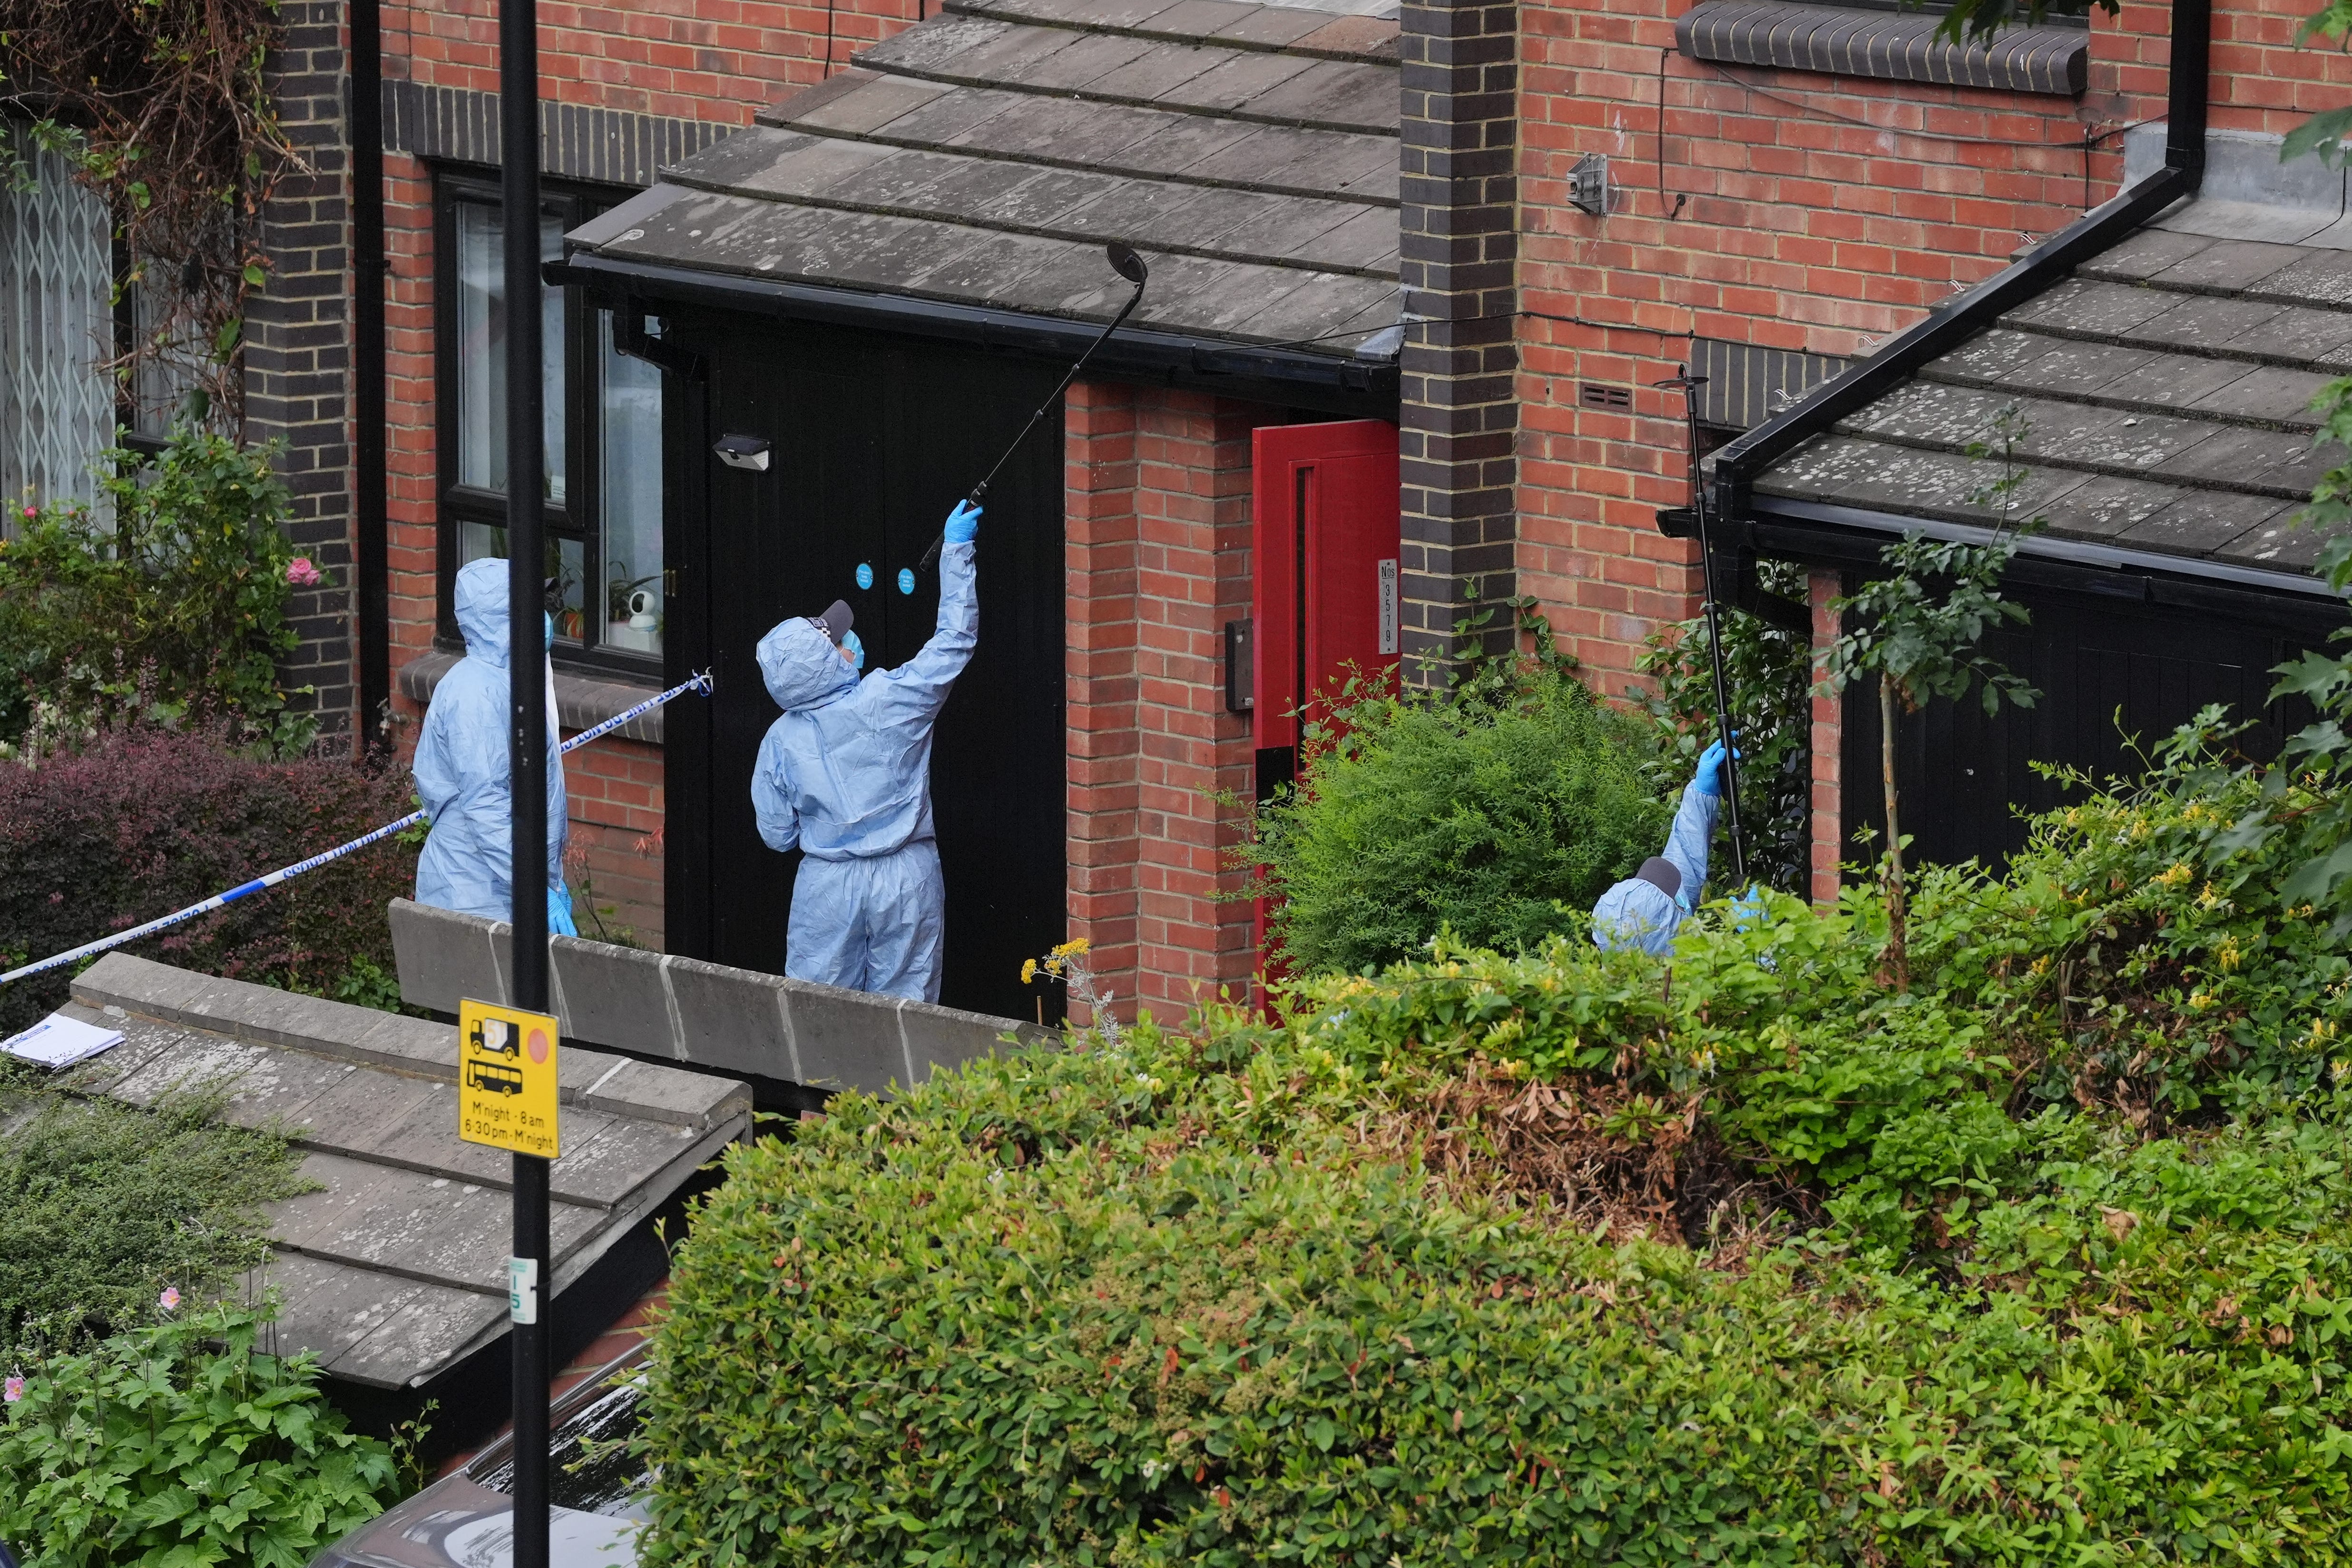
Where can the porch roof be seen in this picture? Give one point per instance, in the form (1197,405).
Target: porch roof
(2162,390)
(984,157)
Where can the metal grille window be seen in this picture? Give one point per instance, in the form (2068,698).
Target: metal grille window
(57,327)
(602,429)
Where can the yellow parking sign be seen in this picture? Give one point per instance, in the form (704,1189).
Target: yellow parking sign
(506,1077)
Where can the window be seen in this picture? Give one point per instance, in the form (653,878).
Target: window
(57,327)
(602,496)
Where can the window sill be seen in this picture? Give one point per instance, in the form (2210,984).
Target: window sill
(1890,45)
(582,702)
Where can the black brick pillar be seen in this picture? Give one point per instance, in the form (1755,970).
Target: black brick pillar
(298,351)
(1460,250)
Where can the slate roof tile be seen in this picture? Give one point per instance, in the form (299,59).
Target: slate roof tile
(985,155)
(2165,392)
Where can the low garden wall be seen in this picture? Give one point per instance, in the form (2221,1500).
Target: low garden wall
(701,1015)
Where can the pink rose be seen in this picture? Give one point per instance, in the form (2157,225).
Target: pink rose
(301,574)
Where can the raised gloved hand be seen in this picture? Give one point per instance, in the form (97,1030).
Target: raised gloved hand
(963,524)
(854,649)
(1709,777)
(559,912)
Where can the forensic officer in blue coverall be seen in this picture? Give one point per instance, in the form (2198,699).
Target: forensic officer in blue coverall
(463,775)
(1649,906)
(845,774)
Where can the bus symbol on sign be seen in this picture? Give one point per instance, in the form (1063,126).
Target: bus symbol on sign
(506,1078)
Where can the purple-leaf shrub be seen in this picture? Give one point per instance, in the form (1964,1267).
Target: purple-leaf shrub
(146,822)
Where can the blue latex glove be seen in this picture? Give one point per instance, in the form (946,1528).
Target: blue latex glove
(559,912)
(854,649)
(1709,777)
(963,524)
(1747,910)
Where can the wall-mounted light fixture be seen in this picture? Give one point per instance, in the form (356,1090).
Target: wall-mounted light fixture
(743,452)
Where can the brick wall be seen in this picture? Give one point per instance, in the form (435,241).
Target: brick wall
(614,858)
(1787,209)
(1458,238)
(298,353)
(1829,848)
(1158,530)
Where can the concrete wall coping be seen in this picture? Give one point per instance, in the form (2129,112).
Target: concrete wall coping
(711,1016)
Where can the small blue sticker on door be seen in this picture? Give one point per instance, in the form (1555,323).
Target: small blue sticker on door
(905,579)
(865,574)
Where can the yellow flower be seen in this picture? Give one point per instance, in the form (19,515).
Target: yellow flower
(1072,949)
(1028,970)
(2229,955)
(2200,1001)
(2176,876)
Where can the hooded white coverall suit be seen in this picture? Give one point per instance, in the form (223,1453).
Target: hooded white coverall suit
(845,774)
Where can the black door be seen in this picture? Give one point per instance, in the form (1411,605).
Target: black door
(2114,680)
(871,440)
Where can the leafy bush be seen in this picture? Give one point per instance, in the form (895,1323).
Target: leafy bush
(102,1206)
(1768,669)
(180,1445)
(168,603)
(1501,812)
(146,822)
(1559,1258)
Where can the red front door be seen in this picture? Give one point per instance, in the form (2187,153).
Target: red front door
(1325,592)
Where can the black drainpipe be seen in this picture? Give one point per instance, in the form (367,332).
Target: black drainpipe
(371,566)
(1955,321)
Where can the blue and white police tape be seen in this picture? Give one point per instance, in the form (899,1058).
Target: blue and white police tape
(222,900)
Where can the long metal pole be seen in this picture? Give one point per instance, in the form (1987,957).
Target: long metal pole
(527,742)
(1690,385)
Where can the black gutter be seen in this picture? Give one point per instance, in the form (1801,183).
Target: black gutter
(1953,323)
(1239,370)
(372,557)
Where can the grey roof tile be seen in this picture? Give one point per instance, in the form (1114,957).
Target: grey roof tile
(2103,505)
(2236,455)
(877,105)
(2283,544)
(1092,13)
(1237,80)
(1275,25)
(1310,309)
(1335,93)
(1284,226)
(956,112)
(1929,412)
(2088,305)
(1992,356)
(1073,69)
(948,43)
(2319,277)
(1160,70)
(1365,34)
(2228,264)
(1050,127)
(2298,333)
(2177,381)
(2268,392)
(1367,239)
(2202,521)
(1200,17)
(2205,322)
(2143,254)
(2077,367)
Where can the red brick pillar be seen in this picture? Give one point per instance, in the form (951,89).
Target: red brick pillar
(1829,735)
(1158,525)
(1099,555)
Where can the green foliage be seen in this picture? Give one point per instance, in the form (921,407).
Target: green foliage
(102,1206)
(2040,1261)
(179,1445)
(1501,810)
(1920,629)
(167,604)
(1768,669)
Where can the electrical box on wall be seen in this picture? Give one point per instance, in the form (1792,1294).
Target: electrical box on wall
(1241,669)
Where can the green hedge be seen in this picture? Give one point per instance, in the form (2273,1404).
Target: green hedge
(1501,813)
(2048,1259)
